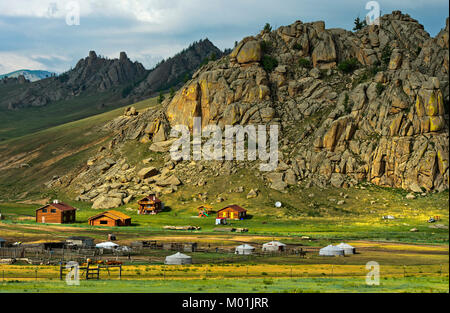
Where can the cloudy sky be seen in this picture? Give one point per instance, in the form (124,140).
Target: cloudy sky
(42,34)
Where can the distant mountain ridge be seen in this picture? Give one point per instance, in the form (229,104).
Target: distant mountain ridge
(128,80)
(31,75)
(175,71)
(91,74)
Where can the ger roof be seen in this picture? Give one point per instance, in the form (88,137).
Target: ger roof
(275,243)
(245,246)
(179,255)
(60,206)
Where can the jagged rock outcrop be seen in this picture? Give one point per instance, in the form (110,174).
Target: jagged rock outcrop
(91,74)
(173,71)
(385,122)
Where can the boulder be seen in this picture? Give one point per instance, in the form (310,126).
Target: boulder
(148,172)
(106,202)
(249,52)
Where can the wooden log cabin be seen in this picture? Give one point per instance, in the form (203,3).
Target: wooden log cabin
(56,213)
(110,219)
(150,205)
(233,212)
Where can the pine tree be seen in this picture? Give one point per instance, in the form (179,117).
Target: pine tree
(358,24)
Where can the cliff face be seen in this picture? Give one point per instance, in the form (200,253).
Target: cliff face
(385,122)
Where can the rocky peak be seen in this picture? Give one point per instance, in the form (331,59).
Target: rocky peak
(92,55)
(91,74)
(123,57)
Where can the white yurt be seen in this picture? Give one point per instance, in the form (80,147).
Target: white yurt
(245,249)
(178,259)
(107,245)
(348,249)
(273,246)
(331,251)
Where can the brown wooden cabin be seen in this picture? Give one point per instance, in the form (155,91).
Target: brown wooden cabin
(56,213)
(150,205)
(233,212)
(110,219)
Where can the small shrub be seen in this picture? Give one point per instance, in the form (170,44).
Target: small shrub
(264,274)
(380,88)
(267,28)
(187,78)
(161,98)
(359,24)
(305,63)
(172,93)
(348,66)
(268,282)
(348,108)
(269,63)
(266,47)
(298,46)
(386,55)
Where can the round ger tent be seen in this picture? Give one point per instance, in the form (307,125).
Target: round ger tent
(178,259)
(273,246)
(348,249)
(331,251)
(106,245)
(245,249)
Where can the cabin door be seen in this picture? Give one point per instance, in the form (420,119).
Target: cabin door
(43,219)
(232,215)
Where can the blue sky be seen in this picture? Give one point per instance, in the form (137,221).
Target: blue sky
(34,34)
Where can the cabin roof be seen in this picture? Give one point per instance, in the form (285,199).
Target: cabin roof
(235,208)
(60,206)
(115,215)
(150,198)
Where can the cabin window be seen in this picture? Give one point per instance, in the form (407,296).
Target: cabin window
(103,222)
(44,210)
(53,210)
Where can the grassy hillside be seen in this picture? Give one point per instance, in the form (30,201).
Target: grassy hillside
(21,122)
(29,161)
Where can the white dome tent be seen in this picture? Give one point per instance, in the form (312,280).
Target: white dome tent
(331,251)
(348,249)
(178,259)
(107,245)
(245,249)
(273,246)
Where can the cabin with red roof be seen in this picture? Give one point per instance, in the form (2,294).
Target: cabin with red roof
(150,205)
(232,212)
(56,213)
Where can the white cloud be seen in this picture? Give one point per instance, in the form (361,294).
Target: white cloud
(11,62)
